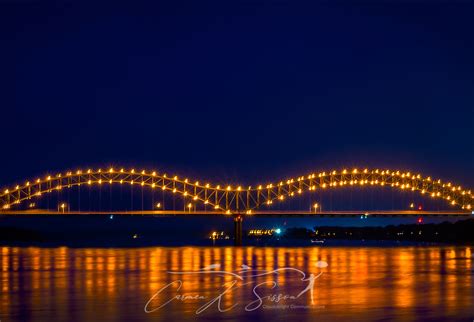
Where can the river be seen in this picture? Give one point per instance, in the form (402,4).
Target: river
(414,283)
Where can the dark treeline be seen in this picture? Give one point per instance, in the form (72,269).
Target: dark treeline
(460,231)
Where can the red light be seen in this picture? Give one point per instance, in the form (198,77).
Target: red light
(420,207)
(420,220)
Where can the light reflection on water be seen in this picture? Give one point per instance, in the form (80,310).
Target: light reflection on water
(364,284)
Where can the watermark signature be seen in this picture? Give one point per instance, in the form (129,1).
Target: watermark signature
(246,276)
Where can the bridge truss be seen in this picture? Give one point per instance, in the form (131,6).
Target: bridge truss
(237,199)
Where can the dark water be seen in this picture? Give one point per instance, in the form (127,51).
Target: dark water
(359,284)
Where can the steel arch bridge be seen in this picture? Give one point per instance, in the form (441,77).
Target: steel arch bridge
(237,199)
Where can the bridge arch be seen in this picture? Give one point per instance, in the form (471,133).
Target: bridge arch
(231,199)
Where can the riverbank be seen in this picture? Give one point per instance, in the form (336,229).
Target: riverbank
(142,231)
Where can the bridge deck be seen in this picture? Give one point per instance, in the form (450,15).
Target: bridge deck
(388,213)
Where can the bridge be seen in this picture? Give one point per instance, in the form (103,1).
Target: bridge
(206,198)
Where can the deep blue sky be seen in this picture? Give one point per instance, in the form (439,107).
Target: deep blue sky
(245,90)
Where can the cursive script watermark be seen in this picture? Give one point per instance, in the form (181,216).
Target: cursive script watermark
(246,276)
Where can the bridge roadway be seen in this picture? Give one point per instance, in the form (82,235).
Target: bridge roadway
(346,213)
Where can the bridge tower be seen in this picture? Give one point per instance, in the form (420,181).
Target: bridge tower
(238,218)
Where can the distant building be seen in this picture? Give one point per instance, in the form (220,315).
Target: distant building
(263,232)
(218,235)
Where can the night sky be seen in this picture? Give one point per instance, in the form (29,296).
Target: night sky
(237,91)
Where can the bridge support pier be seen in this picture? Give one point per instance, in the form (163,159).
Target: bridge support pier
(238,230)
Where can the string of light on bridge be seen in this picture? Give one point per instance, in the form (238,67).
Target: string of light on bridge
(237,199)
